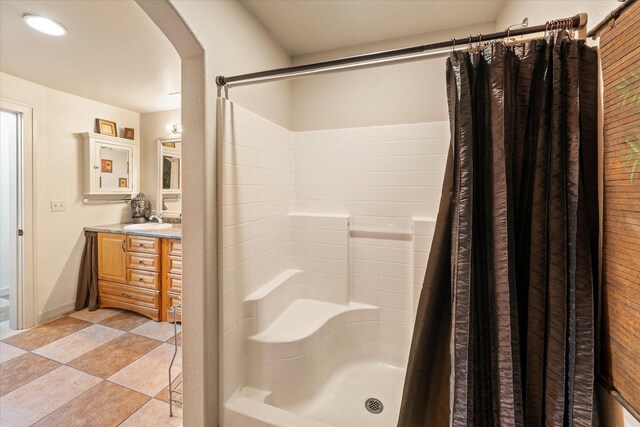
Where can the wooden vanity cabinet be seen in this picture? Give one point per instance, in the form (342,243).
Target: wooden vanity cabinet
(171,279)
(128,273)
(139,273)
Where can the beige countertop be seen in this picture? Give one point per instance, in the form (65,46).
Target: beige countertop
(174,232)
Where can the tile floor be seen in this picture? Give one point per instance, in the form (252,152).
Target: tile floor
(101,368)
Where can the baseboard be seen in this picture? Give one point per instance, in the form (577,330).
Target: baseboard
(4,292)
(55,312)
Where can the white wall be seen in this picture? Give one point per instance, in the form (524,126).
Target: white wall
(540,11)
(377,174)
(407,93)
(152,127)
(235,42)
(58,118)
(395,94)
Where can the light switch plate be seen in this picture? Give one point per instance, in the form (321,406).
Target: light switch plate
(57,206)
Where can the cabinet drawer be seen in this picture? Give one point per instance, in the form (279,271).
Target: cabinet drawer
(143,279)
(174,283)
(143,261)
(175,247)
(129,295)
(149,245)
(172,301)
(174,265)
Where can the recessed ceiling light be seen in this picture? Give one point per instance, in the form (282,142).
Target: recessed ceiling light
(44,25)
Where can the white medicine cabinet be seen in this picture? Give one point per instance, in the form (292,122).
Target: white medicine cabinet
(111,165)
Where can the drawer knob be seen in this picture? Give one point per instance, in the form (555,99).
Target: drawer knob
(141,262)
(126,295)
(142,245)
(141,279)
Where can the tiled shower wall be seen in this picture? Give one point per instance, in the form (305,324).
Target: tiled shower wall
(389,180)
(380,174)
(385,181)
(255,192)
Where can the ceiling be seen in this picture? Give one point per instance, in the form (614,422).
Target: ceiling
(115,54)
(112,52)
(306,26)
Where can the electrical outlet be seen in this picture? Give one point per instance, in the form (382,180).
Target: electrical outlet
(57,206)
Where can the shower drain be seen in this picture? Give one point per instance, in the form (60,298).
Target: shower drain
(373,405)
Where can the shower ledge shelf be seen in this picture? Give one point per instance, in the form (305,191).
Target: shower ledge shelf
(304,317)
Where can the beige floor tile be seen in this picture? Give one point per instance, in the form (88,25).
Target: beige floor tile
(160,331)
(23,369)
(94,316)
(148,374)
(31,402)
(109,358)
(177,388)
(6,331)
(110,404)
(125,321)
(154,414)
(8,352)
(179,337)
(75,345)
(46,333)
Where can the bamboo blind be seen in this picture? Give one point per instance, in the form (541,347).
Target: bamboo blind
(620,333)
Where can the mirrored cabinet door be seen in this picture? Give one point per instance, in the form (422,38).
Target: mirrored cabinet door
(114,168)
(170,175)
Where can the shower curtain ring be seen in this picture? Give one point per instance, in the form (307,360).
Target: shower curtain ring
(469,42)
(479,40)
(453,46)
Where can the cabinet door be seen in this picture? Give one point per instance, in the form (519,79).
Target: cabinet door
(112,257)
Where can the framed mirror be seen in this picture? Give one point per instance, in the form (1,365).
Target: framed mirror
(170,176)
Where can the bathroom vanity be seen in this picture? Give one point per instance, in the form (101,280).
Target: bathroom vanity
(140,270)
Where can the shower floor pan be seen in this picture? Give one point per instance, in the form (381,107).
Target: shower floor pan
(339,403)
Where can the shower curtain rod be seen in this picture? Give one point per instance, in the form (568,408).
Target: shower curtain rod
(414,53)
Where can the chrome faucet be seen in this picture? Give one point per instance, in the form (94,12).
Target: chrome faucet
(156,217)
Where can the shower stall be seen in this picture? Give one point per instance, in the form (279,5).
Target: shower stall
(325,238)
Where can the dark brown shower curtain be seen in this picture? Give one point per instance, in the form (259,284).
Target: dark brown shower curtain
(504,334)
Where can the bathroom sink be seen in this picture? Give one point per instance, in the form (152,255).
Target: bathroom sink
(149,226)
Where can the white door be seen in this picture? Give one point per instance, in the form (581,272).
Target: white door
(16,231)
